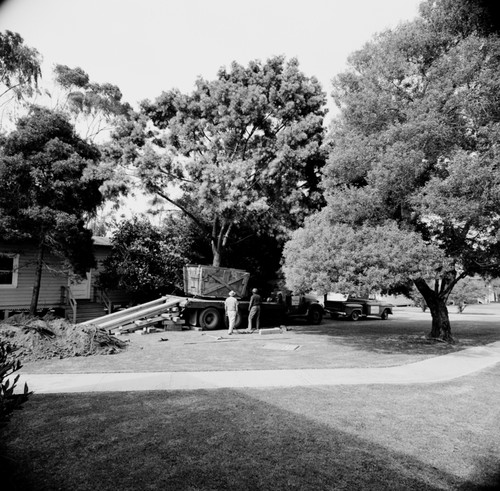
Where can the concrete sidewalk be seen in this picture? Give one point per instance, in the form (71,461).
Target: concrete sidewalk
(438,369)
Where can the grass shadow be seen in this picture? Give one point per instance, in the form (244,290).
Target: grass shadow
(403,336)
(203,440)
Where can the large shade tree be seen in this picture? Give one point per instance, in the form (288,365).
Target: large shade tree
(50,185)
(415,152)
(241,150)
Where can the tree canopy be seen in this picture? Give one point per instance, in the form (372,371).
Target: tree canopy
(19,65)
(98,105)
(50,185)
(414,152)
(244,149)
(147,261)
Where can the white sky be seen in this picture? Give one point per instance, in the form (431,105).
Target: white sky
(146,46)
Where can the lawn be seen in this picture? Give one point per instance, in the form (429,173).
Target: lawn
(333,344)
(426,436)
(436,436)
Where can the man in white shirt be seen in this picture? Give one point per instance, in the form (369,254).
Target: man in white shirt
(231,307)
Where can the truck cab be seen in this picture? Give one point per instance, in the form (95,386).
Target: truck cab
(355,308)
(305,306)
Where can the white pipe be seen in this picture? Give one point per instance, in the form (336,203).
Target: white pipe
(133,313)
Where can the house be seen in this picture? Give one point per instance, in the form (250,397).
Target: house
(77,300)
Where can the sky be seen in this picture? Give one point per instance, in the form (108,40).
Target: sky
(148,46)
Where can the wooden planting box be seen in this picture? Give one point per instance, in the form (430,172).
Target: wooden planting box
(209,281)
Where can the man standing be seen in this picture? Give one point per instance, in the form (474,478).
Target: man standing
(231,308)
(254,310)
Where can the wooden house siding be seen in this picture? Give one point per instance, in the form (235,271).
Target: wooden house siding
(50,287)
(53,279)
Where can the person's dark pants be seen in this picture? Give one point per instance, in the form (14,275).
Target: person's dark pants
(254,314)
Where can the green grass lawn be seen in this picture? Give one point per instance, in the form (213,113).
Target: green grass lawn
(430,436)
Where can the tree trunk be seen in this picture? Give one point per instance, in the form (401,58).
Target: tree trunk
(216,261)
(441,327)
(38,280)
(220,234)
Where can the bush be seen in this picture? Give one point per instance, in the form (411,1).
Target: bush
(8,400)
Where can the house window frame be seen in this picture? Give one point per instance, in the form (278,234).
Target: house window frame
(15,269)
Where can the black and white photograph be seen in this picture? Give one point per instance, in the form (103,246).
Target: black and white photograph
(249,246)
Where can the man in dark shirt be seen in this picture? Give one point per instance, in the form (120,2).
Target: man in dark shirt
(254,310)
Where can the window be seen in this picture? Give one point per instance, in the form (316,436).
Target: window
(9,265)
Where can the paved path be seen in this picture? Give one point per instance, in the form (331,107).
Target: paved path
(438,369)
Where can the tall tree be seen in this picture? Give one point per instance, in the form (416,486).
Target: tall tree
(19,65)
(242,149)
(19,72)
(416,147)
(50,185)
(93,106)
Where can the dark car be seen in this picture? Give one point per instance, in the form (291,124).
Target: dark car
(355,308)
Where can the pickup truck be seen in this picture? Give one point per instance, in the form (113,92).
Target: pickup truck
(355,308)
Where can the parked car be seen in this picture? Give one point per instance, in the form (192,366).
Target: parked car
(355,308)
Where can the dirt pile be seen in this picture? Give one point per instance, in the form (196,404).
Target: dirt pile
(51,337)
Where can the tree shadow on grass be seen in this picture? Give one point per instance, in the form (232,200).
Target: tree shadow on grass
(199,440)
(402,336)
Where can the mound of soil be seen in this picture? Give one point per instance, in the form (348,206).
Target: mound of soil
(51,337)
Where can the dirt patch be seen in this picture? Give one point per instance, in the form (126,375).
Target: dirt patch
(34,339)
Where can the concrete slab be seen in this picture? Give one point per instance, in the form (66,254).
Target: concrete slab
(433,370)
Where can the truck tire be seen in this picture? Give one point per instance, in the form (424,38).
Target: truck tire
(192,318)
(355,315)
(314,316)
(210,318)
(385,315)
(238,321)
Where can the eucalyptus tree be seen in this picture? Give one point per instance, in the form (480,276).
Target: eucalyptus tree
(415,152)
(19,68)
(94,107)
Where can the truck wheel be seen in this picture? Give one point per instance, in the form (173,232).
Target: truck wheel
(355,315)
(192,318)
(210,318)
(238,321)
(385,315)
(315,316)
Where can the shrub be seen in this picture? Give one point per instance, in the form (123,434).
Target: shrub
(8,400)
